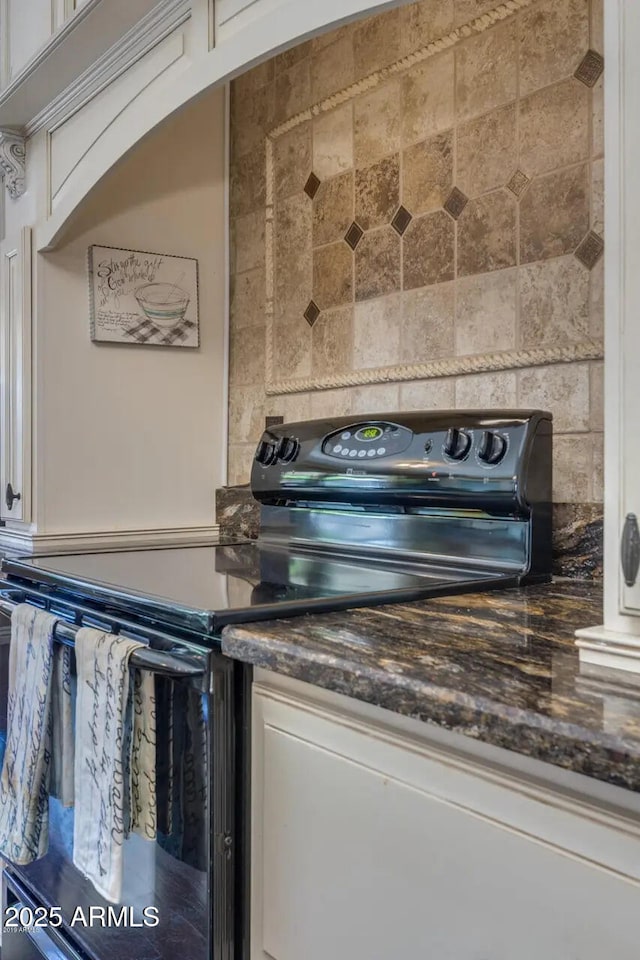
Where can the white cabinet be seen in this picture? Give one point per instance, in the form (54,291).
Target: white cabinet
(15,377)
(63,9)
(371,841)
(616,643)
(630,290)
(25,27)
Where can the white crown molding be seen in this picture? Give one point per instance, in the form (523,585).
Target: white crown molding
(13,156)
(57,40)
(26,541)
(165,17)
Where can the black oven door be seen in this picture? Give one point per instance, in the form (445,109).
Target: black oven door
(178,891)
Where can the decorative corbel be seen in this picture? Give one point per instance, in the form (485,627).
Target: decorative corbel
(13,155)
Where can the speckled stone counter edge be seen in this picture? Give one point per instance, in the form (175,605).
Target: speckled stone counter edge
(498,668)
(561,744)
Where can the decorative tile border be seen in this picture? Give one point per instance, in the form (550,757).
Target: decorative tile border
(448,367)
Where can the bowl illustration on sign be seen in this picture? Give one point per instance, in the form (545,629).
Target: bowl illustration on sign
(164,304)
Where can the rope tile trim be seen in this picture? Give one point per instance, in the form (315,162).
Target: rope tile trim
(449,367)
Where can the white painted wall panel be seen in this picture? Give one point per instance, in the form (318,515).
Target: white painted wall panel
(228,9)
(71,142)
(235,15)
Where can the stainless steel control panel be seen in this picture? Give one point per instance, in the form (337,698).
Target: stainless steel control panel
(453,457)
(464,482)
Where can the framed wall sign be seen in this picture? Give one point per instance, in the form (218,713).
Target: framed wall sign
(143,298)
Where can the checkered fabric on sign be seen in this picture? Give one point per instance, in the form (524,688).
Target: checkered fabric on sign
(147,332)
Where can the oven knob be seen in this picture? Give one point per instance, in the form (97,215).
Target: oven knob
(287,449)
(457,444)
(492,447)
(266,453)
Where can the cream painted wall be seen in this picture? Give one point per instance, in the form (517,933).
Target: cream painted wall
(131,437)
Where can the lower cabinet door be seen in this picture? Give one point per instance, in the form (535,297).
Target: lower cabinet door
(360,853)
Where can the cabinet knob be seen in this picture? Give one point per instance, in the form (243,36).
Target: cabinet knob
(630,549)
(10,497)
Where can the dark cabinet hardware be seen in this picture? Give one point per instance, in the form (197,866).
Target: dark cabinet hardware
(10,497)
(630,549)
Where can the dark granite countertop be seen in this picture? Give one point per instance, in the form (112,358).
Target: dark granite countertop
(500,667)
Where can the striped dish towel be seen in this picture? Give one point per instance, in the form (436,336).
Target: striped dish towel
(39,750)
(115,757)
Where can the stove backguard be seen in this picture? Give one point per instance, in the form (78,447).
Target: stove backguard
(448,487)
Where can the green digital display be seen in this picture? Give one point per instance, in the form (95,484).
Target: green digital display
(369,433)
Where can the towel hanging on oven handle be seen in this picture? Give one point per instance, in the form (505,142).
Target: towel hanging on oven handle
(179,666)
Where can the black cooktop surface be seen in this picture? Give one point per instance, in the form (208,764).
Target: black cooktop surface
(201,589)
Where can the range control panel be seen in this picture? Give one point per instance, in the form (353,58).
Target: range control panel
(373,440)
(406,458)
(367,440)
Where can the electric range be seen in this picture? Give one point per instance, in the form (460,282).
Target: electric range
(354,511)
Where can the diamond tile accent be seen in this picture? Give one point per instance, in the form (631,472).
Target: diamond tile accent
(455,203)
(401,220)
(590,250)
(590,68)
(518,183)
(312,313)
(312,184)
(354,235)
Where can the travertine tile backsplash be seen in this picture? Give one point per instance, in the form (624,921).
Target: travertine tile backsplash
(417,220)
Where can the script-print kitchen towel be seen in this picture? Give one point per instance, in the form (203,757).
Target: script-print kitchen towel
(105,757)
(61,727)
(143,756)
(24,783)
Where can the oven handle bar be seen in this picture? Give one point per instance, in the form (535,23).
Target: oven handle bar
(158,661)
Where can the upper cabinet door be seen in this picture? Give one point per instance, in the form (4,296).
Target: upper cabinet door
(15,377)
(25,27)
